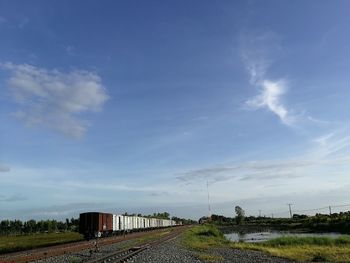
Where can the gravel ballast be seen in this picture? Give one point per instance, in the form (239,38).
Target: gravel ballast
(173,252)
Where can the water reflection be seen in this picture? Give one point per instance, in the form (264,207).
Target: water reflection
(267,235)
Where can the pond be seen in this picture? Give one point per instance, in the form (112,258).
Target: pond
(267,235)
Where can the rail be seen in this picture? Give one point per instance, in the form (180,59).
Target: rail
(126,254)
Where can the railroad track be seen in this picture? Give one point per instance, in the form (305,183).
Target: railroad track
(125,254)
(42,253)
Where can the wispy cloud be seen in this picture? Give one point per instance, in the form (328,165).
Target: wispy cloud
(54,99)
(255,55)
(331,144)
(12,198)
(262,170)
(327,153)
(214,174)
(270,98)
(317,121)
(4,168)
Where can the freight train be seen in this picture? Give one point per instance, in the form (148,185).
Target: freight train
(96,224)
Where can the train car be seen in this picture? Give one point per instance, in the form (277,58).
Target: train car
(96,224)
(93,224)
(118,225)
(128,223)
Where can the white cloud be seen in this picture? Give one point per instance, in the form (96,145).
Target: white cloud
(258,53)
(270,98)
(54,99)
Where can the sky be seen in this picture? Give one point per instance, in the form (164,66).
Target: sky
(136,106)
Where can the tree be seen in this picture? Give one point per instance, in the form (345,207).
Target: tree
(239,215)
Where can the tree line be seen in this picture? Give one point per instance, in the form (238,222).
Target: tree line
(337,222)
(18,227)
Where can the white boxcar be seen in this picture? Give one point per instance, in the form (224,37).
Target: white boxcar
(122,222)
(118,223)
(129,222)
(126,222)
(153,222)
(134,222)
(115,223)
(142,222)
(139,222)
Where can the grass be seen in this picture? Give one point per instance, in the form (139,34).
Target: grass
(200,238)
(308,249)
(74,259)
(314,249)
(18,243)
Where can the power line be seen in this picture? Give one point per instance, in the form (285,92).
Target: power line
(340,205)
(329,208)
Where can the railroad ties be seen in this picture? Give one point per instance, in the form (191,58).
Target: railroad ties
(124,255)
(120,256)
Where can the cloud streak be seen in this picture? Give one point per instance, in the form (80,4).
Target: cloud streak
(259,170)
(329,151)
(12,198)
(53,99)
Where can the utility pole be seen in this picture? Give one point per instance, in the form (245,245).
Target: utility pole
(209,211)
(259,213)
(330,210)
(290,210)
(272,215)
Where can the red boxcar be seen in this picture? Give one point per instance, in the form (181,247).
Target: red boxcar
(93,223)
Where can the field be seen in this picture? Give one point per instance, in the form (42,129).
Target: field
(200,238)
(304,248)
(17,243)
(320,249)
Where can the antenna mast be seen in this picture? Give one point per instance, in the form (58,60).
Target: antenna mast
(208,200)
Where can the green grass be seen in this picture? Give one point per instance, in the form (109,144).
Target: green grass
(200,238)
(18,243)
(74,259)
(299,241)
(308,249)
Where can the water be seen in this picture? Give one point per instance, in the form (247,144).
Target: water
(264,236)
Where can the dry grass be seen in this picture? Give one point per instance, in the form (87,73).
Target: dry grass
(304,249)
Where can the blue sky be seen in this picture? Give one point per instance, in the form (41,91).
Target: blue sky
(134,105)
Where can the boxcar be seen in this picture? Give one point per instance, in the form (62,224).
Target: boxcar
(92,224)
